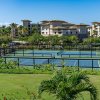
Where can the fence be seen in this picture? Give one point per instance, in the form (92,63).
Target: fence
(48,60)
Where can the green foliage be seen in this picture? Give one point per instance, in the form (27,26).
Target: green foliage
(8,64)
(50,40)
(91,40)
(12,67)
(48,67)
(69,70)
(91,72)
(5,39)
(22,70)
(5,30)
(67,87)
(35,39)
(69,39)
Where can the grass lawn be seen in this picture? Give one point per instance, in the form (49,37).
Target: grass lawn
(23,86)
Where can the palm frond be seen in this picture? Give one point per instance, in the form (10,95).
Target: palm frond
(48,86)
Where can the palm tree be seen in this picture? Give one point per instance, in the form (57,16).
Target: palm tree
(25,31)
(67,87)
(20,30)
(3,30)
(95,33)
(8,31)
(13,30)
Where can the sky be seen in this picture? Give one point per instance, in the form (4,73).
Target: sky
(74,11)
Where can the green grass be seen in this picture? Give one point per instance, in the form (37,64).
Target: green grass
(23,86)
(16,85)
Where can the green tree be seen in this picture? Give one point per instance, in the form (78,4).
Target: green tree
(36,28)
(68,87)
(20,28)
(25,31)
(2,30)
(73,39)
(14,32)
(52,40)
(8,31)
(36,39)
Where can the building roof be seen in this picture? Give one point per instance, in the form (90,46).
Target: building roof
(67,24)
(47,21)
(26,20)
(73,27)
(58,28)
(95,22)
(45,24)
(82,24)
(89,27)
(64,28)
(58,21)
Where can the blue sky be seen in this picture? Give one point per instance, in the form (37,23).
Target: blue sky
(75,11)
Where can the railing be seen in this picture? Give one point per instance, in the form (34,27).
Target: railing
(79,55)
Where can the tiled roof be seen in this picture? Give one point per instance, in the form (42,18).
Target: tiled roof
(73,27)
(82,24)
(58,27)
(26,20)
(46,21)
(58,21)
(64,28)
(95,22)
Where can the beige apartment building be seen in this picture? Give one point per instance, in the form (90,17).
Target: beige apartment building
(59,27)
(94,29)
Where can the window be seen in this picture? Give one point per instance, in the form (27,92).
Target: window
(42,28)
(59,32)
(66,32)
(42,32)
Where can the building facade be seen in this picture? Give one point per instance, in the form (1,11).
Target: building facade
(94,29)
(59,27)
(27,27)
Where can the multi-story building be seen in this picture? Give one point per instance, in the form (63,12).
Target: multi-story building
(82,31)
(59,27)
(27,27)
(94,30)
